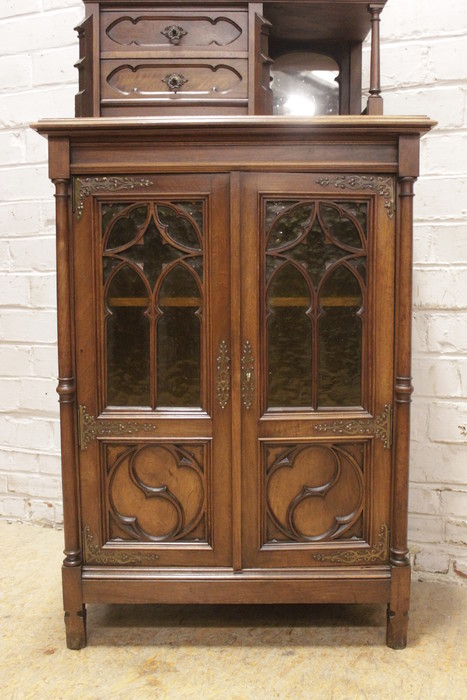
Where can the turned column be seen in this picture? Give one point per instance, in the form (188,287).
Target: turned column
(399,553)
(375,101)
(71,570)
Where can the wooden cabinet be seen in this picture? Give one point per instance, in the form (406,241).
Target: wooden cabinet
(153,58)
(234,340)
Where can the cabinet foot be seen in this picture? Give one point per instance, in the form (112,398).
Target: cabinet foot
(75,611)
(75,626)
(398,608)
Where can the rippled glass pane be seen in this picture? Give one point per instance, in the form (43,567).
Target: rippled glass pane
(194,209)
(152,254)
(357,209)
(289,340)
(178,227)
(315,254)
(179,341)
(127,340)
(339,225)
(290,227)
(125,228)
(340,341)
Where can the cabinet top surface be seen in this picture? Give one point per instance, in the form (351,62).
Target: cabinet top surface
(247,125)
(293,19)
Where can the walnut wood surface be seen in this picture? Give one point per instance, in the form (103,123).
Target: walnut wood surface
(119,43)
(231,552)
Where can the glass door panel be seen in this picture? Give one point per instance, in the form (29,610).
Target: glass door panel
(317,303)
(155,457)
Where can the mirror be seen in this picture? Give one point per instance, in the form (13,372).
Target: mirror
(305,84)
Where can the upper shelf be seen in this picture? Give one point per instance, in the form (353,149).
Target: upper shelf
(331,20)
(151,58)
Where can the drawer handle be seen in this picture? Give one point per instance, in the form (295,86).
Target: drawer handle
(174,33)
(175,81)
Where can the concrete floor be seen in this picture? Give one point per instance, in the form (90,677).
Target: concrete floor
(233,653)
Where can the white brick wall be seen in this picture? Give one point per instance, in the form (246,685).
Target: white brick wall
(37,51)
(424,71)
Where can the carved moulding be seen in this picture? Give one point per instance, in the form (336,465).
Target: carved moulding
(89,428)
(223,375)
(382,186)
(380,426)
(342,516)
(84,187)
(379,552)
(248,375)
(93,554)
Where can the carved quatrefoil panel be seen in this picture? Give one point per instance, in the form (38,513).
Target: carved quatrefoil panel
(157,492)
(313,493)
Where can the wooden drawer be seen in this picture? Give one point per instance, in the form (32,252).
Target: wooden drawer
(176,30)
(173,79)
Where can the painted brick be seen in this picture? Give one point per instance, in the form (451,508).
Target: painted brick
(17,183)
(449,195)
(443,288)
(13,507)
(448,58)
(423,500)
(16,460)
(460,567)
(59,4)
(454,502)
(9,391)
(432,561)
(34,485)
(58,514)
(27,433)
(31,105)
(44,361)
(12,148)
(444,153)
(36,147)
(14,290)
(43,291)
(41,512)
(405,65)
(443,243)
(445,104)
(42,30)
(456,531)
(442,377)
(10,8)
(450,244)
(32,254)
(402,19)
(436,463)
(425,528)
(446,332)
(16,72)
(55,66)
(16,360)
(28,326)
(37,395)
(19,218)
(444,420)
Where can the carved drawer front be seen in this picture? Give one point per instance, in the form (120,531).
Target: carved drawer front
(153,80)
(188,29)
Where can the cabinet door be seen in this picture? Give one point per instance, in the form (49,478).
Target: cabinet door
(317,368)
(153,342)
